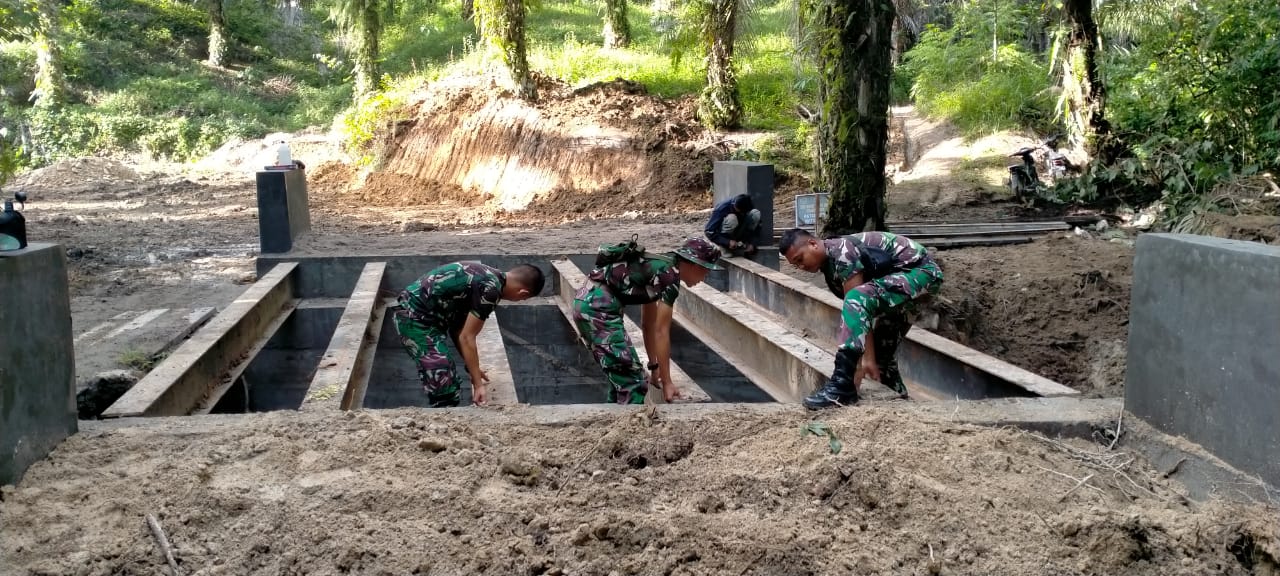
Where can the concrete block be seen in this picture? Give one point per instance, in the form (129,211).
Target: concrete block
(283,210)
(37,357)
(1204,332)
(732,177)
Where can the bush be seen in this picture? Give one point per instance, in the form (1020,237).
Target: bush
(954,72)
(1194,106)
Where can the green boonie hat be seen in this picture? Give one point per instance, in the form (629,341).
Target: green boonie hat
(700,252)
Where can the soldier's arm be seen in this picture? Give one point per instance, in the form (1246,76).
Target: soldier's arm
(853,282)
(661,350)
(471,356)
(648,325)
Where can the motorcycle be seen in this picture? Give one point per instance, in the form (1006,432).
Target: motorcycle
(1024,179)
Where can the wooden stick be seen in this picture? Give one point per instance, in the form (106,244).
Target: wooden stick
(1076,487)
(1119,424)
(158,532)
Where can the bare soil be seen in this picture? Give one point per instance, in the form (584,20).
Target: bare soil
(401,492)
(426,492)
(1058,307)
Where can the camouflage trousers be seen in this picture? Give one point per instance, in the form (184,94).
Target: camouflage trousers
(598,317)
(887,302)
(427,346)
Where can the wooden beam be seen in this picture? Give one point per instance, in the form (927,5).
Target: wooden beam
(494,362)
(200,366)
(818,310)
(570,279)
(340,370)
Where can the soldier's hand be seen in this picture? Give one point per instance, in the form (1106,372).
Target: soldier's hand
(669,392)
(479,394)
(870,369)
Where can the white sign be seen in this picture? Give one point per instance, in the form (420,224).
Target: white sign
(810,207)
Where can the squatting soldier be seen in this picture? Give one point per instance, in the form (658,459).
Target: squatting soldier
(653,281)
(455,300)
(733,225)
(880,276)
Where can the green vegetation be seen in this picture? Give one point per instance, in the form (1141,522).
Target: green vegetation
(977,73)
(1194,106)
(1175,99)
(1190,116)
(139,79)
(137,360)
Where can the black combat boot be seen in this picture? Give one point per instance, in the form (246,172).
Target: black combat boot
(840,389)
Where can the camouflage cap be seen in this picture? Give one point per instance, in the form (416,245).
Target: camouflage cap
(700,252)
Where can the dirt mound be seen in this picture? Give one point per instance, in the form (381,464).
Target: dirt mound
(1058,306)
(78,173)
(247,156)
(431,493)
(607,148)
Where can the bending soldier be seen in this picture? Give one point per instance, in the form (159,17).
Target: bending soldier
(652,281)
(880,276)
(455,300)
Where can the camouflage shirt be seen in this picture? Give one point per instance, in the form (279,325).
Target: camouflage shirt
(651,279)
(445,295)
(844,261)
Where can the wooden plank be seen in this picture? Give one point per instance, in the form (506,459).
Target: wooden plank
(961,354)
(493,353)
(232,375)
(337,371)
(177,385)
(571,278)
(354,399)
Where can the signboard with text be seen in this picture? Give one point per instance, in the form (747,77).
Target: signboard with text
(810,207)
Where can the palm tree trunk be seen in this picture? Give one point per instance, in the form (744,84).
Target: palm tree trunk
(217,34)
(1086,95)
(516,51)
(617,32)
(719,105)
(367,52)
(51,83)
(853,129)
(468,9)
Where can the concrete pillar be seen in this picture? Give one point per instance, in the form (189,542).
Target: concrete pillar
(37,357)
(1204,346)
(733,177)
(283,212)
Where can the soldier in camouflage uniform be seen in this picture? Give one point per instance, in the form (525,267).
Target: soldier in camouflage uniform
(654,282)
(880,276)
(454,300)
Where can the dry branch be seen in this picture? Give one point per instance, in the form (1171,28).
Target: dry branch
(163,541)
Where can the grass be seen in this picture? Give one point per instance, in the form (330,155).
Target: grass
(140,83)
(566,43)
(137,360)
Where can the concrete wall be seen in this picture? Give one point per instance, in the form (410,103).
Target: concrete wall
(37,360)
(281,373)
(283,209)
(1204,346)
(335,276)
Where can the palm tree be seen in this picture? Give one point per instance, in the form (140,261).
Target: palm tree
(217,33)
(617,31)
(712,28)
(501,24)
(51,83)
(851,40)
(364,21)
